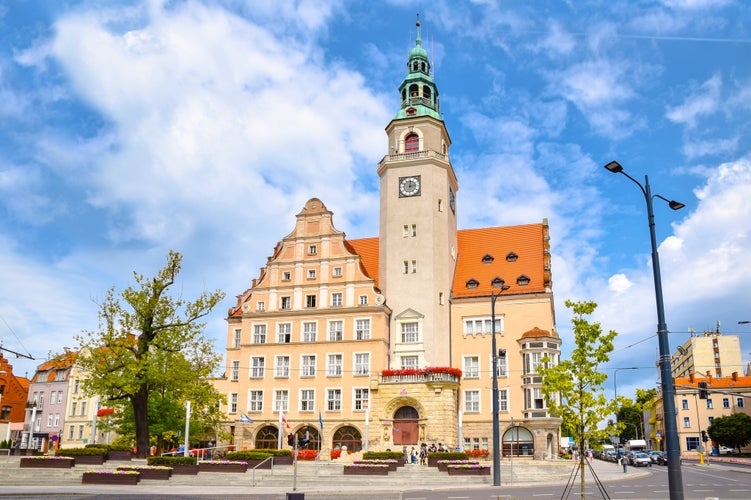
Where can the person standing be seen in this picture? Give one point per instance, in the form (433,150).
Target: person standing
(623,462)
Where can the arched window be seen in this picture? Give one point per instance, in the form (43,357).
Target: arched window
(348,436)
(426,92)
(311,434)
(414,90)
(518,441)
(267,438)
(412,143)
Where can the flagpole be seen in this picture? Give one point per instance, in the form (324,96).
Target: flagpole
(279,444)
(367,426)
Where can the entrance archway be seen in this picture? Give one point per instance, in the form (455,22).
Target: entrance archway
(406,428)
(311,434)
(347,436)
(518,442)
(267,438)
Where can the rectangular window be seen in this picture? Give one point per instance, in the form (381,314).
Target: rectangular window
(311,274)
(309,331)
(286,276)
(41,399)
(406,266)
(481,326)
(35,397)
(414,266)
(5,412)
(57,420)
(684,403)
(471,401)
(362,329)
(409,333)
(71,431)
(333,399)
(710,419)
(532,361)
(75,386)
(414,229)
(49,419)
(237,338)
(312,249)
(259,334)
(692,443)
(310,301)
(286,303)
(233,402)
(308,365)
(255,401)
(284,333)
(405,230)
(361,398)
(261,306)
(709,404)
(336,299)
(726,402)
(257,365)
(363,300)
(307,400)
(73,408)
(686,422)
(336,329)
(281,367)
(80,432)
(471,367)
(235,371)
(334,365)
(281,400)
(362,363)
(60,397)
(440,298)
(409,362)
(500,366)
(503,399)
(53,395)
(83,408)
(337,272)
(739,402)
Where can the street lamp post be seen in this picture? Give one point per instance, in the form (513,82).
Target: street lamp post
(675,480)
(615,378)
(499,284)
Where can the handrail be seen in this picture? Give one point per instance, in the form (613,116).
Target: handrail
(253,476)
(7,451)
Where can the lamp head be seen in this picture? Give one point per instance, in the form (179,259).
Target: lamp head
(676,205)
(614,167)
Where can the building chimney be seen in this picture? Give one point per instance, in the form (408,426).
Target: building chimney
(735,376)
(709,374)
(691,377)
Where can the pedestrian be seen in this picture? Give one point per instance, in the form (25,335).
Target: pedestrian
(623,462)
(423,455)
(413,454)
(406,455)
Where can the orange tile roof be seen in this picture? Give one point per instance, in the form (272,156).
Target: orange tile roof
(525,241)
(713,383)
(367,249)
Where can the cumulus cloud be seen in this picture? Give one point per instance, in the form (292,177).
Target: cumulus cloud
(701,102)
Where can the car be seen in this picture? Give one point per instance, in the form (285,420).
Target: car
(662,458)
(724,450)
(653,455)
(641,459)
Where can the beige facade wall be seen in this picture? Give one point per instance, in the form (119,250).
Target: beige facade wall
(712,352)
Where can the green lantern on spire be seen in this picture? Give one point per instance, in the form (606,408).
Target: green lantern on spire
(419,94)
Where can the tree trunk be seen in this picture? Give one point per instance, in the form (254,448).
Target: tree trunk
(140,404)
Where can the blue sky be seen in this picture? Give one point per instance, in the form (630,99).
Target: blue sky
(132,128)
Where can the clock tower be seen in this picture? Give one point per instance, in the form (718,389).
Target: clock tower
(418,243)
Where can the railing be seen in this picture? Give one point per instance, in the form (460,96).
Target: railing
(7,453)
(418,100)
(253,477)
(420,378)
(414,155)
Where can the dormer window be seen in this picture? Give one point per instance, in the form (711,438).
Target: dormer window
(498,282)
(472,283)
(411,112)
(487,259)
(511,257)
(522,280)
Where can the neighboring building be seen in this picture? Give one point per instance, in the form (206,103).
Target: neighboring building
(386,342)
(724,396)
(45,414)
(711,351)
(13,395)
(80,413)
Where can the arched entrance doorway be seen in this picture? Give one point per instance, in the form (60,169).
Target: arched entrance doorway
(267,438)
(406,429)
(347,436)
(519,442)
(309,433)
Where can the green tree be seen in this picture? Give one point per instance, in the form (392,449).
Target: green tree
(574,387)
(149,343)
(631,414)
(733,430)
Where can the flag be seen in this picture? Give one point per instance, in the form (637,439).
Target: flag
(320,420)
(284,420)
(245,418)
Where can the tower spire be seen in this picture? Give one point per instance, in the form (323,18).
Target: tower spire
(419,94)
(419,40)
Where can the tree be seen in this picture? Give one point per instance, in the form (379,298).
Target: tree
(733,430)
(145,339)
(574,387)
(631,414)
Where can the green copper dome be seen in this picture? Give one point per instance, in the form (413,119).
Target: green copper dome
(419,94)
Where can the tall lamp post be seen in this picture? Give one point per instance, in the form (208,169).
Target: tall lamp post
(615,379)
(675,480)
(499,284)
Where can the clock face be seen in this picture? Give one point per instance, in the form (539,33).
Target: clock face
(409,186)
(452,200)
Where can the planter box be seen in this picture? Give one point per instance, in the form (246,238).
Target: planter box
(119,455)
(89,459)
(366,471)
(286,460)
(444,466)
(209,467)
(47,463)
(145,473)
(253,464)
(460,471)
(391,465)
(95,478)
(184,469)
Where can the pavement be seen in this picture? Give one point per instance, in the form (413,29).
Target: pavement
(310,484)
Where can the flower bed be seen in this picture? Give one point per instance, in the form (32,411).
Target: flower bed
(468,470)
(148,471)
(110,477)
(390,463)
(51,462)
(222,466)
(443,464)
(366,470)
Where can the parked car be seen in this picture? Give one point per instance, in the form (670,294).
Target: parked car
(662,458)
(641,459)
(653,455)
(724,450)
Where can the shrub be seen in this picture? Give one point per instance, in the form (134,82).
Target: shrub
(449,455)
(335,454)
(248,455)
(157,460)
(119,447)
(307,454)
(478,453)
(376,455)
(90,451)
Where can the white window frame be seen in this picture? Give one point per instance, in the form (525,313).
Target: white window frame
(410,332)
(235,370)
(337,272)
(310,331)
(257,366)
(255,400)
(336,335)
(281,366)
(260,332)
(413,362)
(237,338)
(307,403)
(307,369)
(362,328)
(334,399)
(472,401)
(334,364)
(283,337)
(503,401)
(336,299)
(281,400)
(232,399)
(361,362)
(360,398)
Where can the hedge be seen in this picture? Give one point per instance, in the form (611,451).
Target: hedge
(111,447)
(448,455)
(165,460)
(248,455)
(90,451)
(268,451)
(378,455)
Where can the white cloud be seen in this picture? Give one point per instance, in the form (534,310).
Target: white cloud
(698,148)
(619,283)
(703,101)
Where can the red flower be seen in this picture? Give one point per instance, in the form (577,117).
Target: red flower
(422,371)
